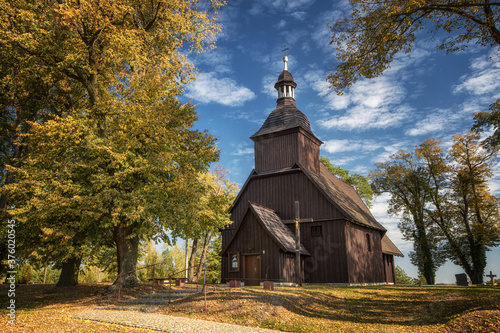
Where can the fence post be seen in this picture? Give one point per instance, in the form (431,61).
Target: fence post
(153,287)
(169,288)
(119,286)
(205,290)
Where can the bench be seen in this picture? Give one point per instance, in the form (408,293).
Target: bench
(159,281)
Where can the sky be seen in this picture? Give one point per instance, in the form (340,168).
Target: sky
(424,94)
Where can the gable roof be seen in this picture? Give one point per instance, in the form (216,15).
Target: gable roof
(273,226)
(388,247)
(344,197)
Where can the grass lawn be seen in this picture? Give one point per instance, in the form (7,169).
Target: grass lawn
(44,308)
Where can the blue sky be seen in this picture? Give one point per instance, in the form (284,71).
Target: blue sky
(425,94)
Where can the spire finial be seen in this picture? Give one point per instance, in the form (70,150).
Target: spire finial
(285,58)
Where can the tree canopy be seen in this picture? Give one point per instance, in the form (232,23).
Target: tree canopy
(455,206)
(359,182)
(122,154)
(376,31)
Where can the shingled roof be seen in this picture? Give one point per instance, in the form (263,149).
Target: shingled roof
(388,247)
(282,118)
(274,227)
(344,197)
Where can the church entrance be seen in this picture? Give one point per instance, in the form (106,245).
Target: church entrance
(252,270)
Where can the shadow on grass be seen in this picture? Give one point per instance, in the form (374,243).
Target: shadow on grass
(35,296)
(411,306)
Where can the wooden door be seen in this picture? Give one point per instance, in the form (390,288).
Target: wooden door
(252,270)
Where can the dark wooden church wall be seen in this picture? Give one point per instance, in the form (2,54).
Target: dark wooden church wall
(390,273)
(328,261)
(309,154)
(365,265)
(287,267)
(279,192)
(252,239)
(266,158)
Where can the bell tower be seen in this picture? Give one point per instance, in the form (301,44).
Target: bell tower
(285,139)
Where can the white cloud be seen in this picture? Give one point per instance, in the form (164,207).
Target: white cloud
(485,78)
(435,122)
(209,89)
(374,103)
(335,146)
(379,211)
(243,115)
(218,60)
(268,82)
(243,151)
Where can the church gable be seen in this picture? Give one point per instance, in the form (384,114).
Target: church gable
(262,219)
(279,190)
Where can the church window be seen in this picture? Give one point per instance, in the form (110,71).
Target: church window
(317,231)
(234,262)
(368,243)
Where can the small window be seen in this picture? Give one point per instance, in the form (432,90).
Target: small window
(316,231)
(368,243)
(234,262)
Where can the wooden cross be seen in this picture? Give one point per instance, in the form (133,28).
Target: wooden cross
(284,50)
(297,241)
(491,276)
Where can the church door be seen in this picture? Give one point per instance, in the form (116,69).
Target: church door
(252,270)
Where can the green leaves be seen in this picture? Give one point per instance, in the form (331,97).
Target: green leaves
(446,199)
(376,31)
(359,182)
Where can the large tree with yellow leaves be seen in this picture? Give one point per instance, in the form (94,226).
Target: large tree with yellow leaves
(122,157)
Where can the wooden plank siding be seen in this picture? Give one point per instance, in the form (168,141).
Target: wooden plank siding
(279,192)
(328,260)
(389,269)
(364,264)
(292,147)
(252,239)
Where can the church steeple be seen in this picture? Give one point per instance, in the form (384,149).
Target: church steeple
(285,85)
(285,138)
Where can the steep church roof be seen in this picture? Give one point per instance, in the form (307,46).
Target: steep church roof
(344,197)
(273,226)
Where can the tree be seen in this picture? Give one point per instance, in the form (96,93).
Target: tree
(407,181)
(376,31)
(205,215)
(448,198)
(485,120)
(359,182)
(173,259)
(131,159)
(461,205)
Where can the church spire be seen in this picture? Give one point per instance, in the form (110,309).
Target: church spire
(285,85)
(285,58)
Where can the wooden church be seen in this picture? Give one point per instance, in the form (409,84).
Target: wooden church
(340,240)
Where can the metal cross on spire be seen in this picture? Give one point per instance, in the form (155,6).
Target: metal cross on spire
(285,58)
(285,49)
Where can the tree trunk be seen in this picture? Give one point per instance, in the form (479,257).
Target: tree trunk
(127,247)
(192,260)
(44,274)
(428,269)
(206,244)
(69,273)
